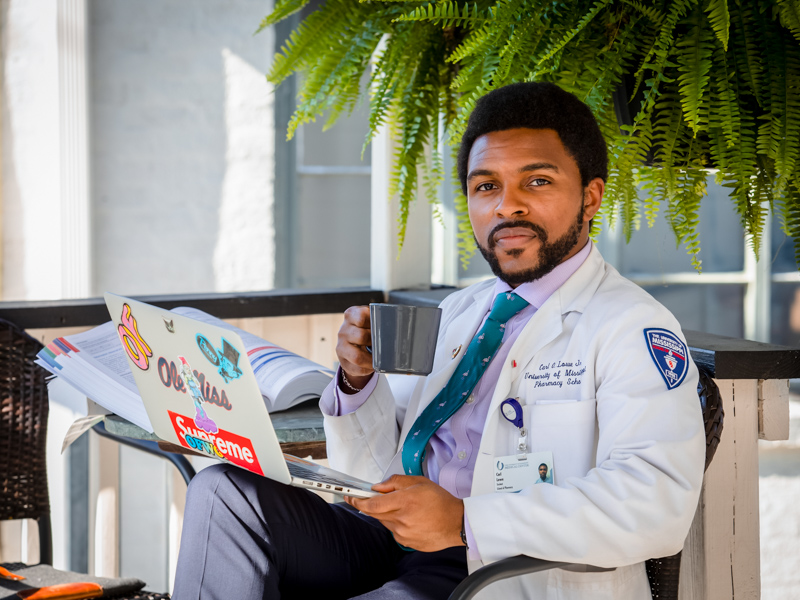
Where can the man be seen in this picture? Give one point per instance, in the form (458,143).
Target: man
(579,349)
(542,474)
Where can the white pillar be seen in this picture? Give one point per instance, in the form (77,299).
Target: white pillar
(31,209)
(444,237)
(757,296)
(411,269)
(73,149)
(45,164)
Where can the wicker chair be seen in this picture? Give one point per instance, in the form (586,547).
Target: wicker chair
(663,573)
(23,437)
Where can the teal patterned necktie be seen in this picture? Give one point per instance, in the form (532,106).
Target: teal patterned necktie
(479,354)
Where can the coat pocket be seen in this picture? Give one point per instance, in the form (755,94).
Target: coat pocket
(567,429)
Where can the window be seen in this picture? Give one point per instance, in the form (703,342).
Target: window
(322,194)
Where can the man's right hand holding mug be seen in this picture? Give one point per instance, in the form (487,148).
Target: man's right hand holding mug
(351,348)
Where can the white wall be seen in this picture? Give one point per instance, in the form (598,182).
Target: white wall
(181,137)
(181,146)
(31,213)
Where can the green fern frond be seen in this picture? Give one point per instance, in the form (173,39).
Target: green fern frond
(720,20)
(304,43)
(741,169)
(669,132)
(466,238)
(628,152)
(510,50)
(658,54)
(694,63)
(651,12)
(717,83)
(629,203)
(446,14)
(434,173)
(382,86)
(746,49)
(683,211)
(790,16)
(787,163)
(415,130)
(652,183)
(344,63)
(582,24)
(283,9)
(477,42)
(782,128)
(788,209)
(724,113)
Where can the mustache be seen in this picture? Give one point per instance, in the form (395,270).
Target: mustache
(537,229)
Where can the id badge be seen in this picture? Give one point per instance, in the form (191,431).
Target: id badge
(517,471)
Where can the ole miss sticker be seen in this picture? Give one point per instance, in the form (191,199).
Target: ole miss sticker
(670,355)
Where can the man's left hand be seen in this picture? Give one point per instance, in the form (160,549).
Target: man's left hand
(421,514)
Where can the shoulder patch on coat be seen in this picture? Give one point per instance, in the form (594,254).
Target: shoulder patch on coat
(670,355)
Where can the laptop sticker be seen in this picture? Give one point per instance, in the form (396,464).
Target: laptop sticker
(168,373)
(133,342)
(670,355)
(201,419)
(226,358)
(221,444)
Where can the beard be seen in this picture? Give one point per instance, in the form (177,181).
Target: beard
(551,254)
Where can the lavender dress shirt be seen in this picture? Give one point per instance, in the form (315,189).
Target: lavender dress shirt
(450,460)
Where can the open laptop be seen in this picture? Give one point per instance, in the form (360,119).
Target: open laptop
(200,392)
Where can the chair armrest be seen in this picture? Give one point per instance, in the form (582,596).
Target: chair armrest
(502,569)
(181,463)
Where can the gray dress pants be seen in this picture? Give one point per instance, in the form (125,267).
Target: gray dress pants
(246,537)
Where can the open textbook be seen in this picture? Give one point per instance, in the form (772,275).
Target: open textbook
(94,363)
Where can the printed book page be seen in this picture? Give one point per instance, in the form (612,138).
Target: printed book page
(94,362)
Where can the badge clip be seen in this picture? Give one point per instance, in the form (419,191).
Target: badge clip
(512,411)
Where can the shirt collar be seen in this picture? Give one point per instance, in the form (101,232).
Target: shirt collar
(537,292)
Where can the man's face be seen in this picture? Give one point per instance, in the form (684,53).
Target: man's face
(528,209)
(543,472)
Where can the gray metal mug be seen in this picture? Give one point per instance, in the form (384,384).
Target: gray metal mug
(403,338)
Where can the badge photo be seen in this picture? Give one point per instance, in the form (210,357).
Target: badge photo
(516,472)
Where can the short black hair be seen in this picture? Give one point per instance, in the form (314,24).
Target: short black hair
(539,105)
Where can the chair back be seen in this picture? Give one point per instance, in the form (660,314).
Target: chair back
(23,433)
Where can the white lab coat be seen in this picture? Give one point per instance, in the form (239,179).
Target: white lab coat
(627,452)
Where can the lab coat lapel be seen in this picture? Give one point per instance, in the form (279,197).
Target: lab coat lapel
(465,324)
(542,328)
(545,326)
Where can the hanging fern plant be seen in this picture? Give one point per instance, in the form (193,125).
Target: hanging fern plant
(712,84)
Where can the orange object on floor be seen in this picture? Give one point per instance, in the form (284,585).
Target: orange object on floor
(63,591)
(6,574)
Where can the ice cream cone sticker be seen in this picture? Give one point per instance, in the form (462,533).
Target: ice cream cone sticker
(201,419)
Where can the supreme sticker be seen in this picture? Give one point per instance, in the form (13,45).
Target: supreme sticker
(222,444)
(670,355)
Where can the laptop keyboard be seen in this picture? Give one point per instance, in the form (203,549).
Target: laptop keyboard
(308,474)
